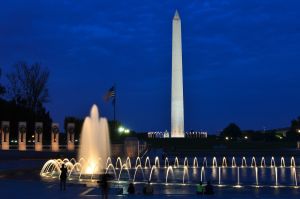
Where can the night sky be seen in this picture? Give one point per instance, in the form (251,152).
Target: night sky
(241,58)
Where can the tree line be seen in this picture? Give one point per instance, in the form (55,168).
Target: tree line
(291,133)
(24,98)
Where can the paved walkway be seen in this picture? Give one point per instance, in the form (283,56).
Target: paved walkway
(38,189)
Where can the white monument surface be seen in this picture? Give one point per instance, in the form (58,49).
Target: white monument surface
(177,111)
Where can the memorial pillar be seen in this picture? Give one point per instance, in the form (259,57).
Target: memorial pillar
(38,136)
(5,135)
(22,136)
(55,137)
(70,136)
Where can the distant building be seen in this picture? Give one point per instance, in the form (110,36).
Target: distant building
(166,134)
(194,134)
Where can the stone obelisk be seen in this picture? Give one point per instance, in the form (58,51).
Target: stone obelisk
(177,111)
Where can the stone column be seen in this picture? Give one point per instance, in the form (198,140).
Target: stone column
(70,136)
(22,136)
(38,136)
(55,137)
(5,135)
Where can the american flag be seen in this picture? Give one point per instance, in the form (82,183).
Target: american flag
(110,94)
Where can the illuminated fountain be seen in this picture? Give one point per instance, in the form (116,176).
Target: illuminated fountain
(244,162)
(94,151)
(224,162)
(215,164)
(138,162)
(149,164)
(202,177)
(220,175)
(233,163)
(186,162)
(282,162)
(256,176)
(195,163)
(263,162)
(122,171)
(273,164)
(166,162)
(253,162)
(185,174)
(94,143)
(170,169)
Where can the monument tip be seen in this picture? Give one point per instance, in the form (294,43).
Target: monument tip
(176,15)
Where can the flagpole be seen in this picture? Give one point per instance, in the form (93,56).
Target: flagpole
(115,108)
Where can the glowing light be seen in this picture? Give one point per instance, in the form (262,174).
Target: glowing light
(237,186)
(227,138)
(90,168)
(121,129)
(246,137)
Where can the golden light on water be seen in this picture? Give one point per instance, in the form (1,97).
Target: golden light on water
(90,168)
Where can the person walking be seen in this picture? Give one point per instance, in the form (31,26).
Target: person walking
(131,189)
(63,177)
(200,188)
(104,186)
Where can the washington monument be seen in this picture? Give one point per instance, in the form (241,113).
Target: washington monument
(177,111)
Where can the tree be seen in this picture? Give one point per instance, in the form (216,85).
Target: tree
(28,85)
(2,89)
(295,124)
(232,131)
(294,131)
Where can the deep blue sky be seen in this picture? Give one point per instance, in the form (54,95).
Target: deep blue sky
(241,58)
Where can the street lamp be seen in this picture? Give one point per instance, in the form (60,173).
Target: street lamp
(121,129)
(126,131)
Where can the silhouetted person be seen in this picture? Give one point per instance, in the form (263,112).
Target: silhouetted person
(104,186)
(148,189)
(209,190)
(200,188)
(131,189)
(63,177)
